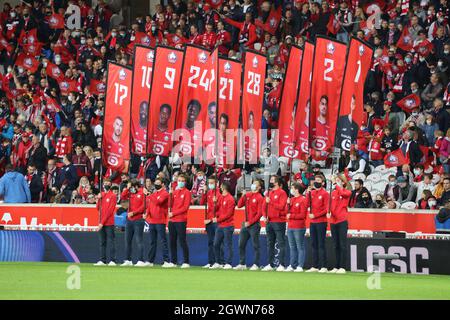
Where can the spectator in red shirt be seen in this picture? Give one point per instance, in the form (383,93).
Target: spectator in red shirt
(180,202)
(106,205)
(247,31)
(223,39)
(225,227)
(156,217)
(318,203)
(338,221)
(208,39)
(275,216)
(253,202)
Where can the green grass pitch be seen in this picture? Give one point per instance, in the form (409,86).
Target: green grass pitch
(49,281)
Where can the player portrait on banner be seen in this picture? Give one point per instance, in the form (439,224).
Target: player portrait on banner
(320,134)
(162,135)
(347,128)
(143,115)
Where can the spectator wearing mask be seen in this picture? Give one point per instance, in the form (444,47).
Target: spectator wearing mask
(425,184)
(407,192)
(365,201)
(13,187)
(380,201)
(410,148)
(106,205)
(392,190)
(198,188)
(427,201)
(357,193)
(418,173)
(389,141)
(134,229)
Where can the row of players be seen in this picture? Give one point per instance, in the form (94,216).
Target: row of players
(278,210)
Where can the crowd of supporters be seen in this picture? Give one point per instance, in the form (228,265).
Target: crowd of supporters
(51,133)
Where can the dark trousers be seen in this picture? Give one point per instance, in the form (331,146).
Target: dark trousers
(177,233)
(158,234)
(247,233)
(276,231)
(211,233)
(107,237)
(134,229)
(318,234)
(224,237)
(339,236)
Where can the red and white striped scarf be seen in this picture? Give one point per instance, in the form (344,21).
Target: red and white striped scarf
(405,7)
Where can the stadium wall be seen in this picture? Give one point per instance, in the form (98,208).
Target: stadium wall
(416,256)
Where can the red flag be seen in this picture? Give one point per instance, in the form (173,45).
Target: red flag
(28,37)
(54,72)
(351,110)
(409,103)
(288,103)
(301,133)
(215,4)
(163,99)
(56,21)
(272,22)
(66,86)
(142,79)
(139,38)
(395,159)
(51,104)
(4,44)
(424,48)
(405,42)
(116,131)
(193,101)
(97,87)
(252,101)
(326,87)
(33,49)
(333,25)
(27,62)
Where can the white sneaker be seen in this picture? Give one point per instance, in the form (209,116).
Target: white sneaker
(99,263)
(216,266)
(289,269)
(206,266)
(185,266)
(168,265)
(312,270)
(280,269)
(140,264)
(112,264)
(227,267)
(267,268)
(298,269)
(149,264)
(240,267)
(333,270)
(341,271)
(323,270)
(126,263)
(254,268)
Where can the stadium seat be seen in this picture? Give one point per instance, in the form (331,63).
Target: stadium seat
(361,176)
(374,177)
(408,205)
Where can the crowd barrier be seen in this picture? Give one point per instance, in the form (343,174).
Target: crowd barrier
(86,217)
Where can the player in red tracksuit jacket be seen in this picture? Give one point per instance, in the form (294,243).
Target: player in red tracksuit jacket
(156,217)
(211,198)
(338,221)
(275,214)
(106,205)
(296,218)
(225,227)
(135,222)
(178,209)
(318,202)
(253,202)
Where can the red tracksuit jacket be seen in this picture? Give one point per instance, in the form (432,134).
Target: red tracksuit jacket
(277,207)
(320,201)
(137,203)
(339,204)
(225,217)
(157,207)
(209,196)
(297,213)
(181,201)
(254,202)
(107,207)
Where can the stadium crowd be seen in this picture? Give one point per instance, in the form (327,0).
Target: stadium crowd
(52,133)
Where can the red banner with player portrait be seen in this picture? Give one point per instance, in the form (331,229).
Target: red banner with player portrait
(116,129)
(142,79)
(288,102)
(193,103)
(252,102)
(230,73)
(326,88)
(301,133)
(351,110)
(163,99)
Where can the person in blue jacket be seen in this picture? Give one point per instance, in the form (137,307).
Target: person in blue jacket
(13,187)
